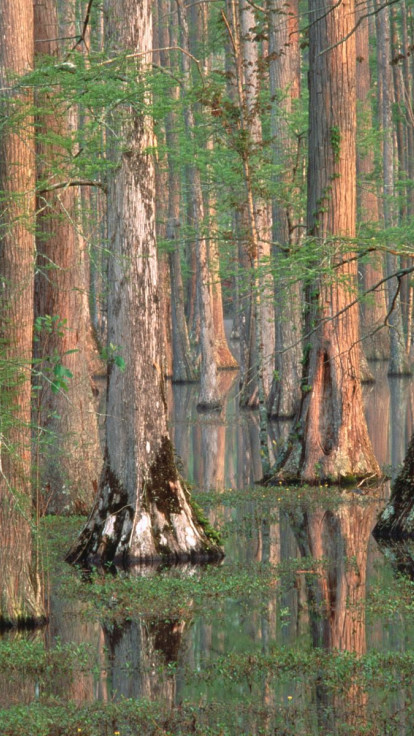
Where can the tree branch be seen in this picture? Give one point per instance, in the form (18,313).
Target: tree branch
(397,274)
(73,183)
(81,38)
(357,24)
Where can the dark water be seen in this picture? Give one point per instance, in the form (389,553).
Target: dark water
(279,657)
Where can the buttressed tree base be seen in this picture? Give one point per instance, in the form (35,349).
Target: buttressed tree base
(143,512)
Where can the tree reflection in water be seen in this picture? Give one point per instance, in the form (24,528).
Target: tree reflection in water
(139,653)
(338,539)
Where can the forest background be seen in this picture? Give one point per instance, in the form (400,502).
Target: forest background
(281,196)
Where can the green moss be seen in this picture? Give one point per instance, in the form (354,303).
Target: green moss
(201,519)
(160,491)
(163,474)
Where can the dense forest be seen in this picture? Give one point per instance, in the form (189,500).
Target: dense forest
(166,166)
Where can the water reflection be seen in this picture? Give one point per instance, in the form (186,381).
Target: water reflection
(300,610)
(70,627)
(222,450)
(336,594)
(218,449)
(17,687)
(138,655)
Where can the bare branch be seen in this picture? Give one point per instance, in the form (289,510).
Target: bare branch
(81,38)
(233,43)
(73,183)
(397,274)
(59,38)
(357,24)
(151,51)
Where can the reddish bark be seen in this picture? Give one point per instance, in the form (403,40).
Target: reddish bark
(20,599)
(330,439)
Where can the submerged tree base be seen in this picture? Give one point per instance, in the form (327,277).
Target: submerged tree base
(160,524)
(363,483)
(23,623)
(206,406)
(397,519)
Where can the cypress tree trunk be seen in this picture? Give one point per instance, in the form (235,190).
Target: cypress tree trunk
(284,72)
(374,332)
(259,212)
(20,596)
(69,451)
(183,361)
(330,440)
(209,398)
(397,519)
(143,511)
(223,355)
(398,359)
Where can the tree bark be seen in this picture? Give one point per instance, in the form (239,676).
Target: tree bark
(330,440)
(69,453)
(374,332)
(400,96)
(397,519)
(284,73)
(143,511)
(183,360)
(209,398)
(259,212)
(398,358)
(224,357)
(20,598)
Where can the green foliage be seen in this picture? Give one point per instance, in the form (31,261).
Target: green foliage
(48,365)
(111,355)
(336,142)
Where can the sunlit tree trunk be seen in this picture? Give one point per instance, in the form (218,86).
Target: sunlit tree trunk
(374,332)
(68,450)
(330,440)
(20,600)
(284,74)
(224,357)
(398,358)
(245,219)
(402,95)
(260,216)
(408,111)
(183,361)
(143,511)
(209,394)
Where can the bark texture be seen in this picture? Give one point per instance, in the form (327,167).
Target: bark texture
(374,331)
(183,360)
(20,601)
(399,364)
(209,397)
(284,74)
(397,519)
(143,511)
(259,211)
(243,88)
(330,440)
(69,453)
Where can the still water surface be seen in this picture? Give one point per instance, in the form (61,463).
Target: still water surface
(281,651)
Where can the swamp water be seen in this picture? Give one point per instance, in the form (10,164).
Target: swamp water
(307,627)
